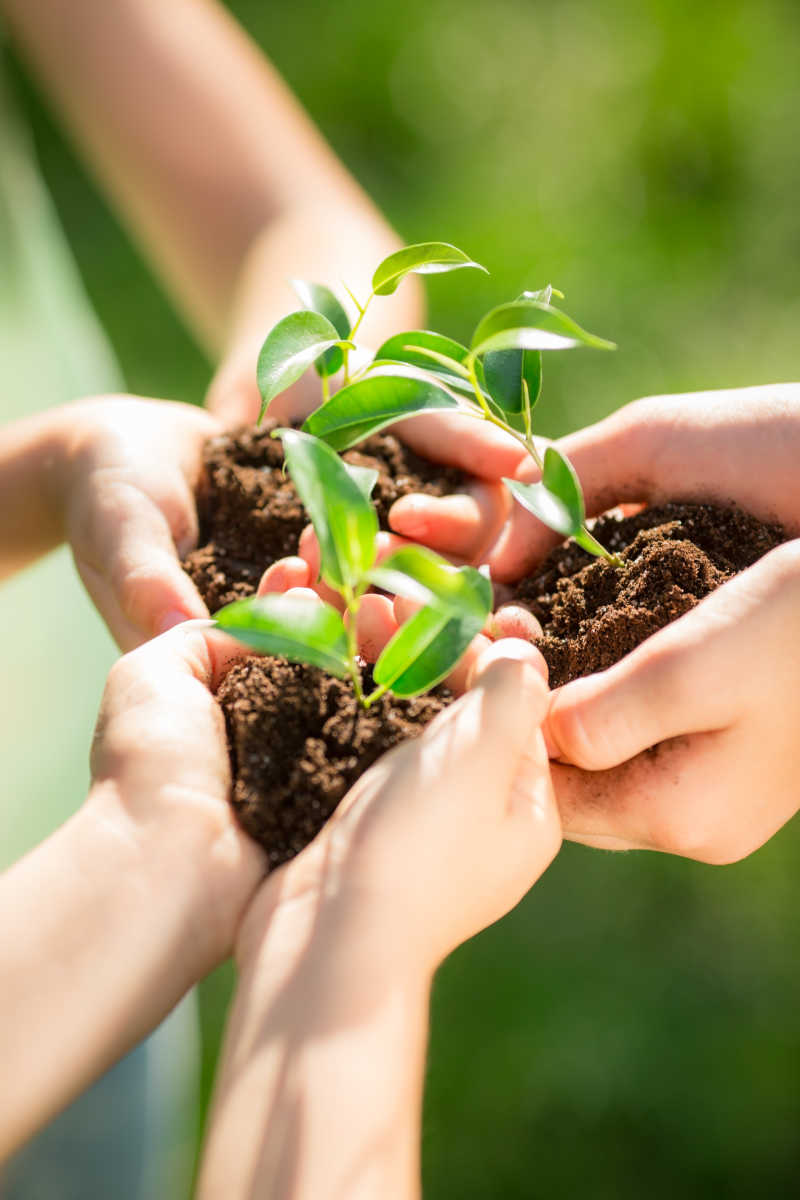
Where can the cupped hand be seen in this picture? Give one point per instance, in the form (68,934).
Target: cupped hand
(439,839)
(717,696)
(161,776)
(128,498)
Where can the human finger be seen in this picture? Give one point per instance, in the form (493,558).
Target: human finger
(473,445)
(465,523)
(286,573)
(125,553)
(660,690)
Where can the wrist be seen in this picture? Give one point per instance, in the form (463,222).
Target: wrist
(185,869)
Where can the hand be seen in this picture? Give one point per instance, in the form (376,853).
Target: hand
(738,445)
(440,838)
(717,690)
(161,775)
(717,694)
(128,502)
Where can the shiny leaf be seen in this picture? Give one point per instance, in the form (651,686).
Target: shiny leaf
(558,499)
(426,258)
(425,650)
(300,628)
(531,325)
(419,574)
(373,403)
(289,350)
(343,517)
(319,298)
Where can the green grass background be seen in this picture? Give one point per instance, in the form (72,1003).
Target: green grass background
(633,1028)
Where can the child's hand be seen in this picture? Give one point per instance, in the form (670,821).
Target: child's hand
(724,682)
(739,445)
(127,497)
(161,775)
(441,837)
(106,924)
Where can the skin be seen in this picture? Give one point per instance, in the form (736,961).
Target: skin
(722,781)
(114,476)
(160,883)
(110,921)
(338,950)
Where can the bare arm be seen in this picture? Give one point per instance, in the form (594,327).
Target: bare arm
(319,1096)
(106,924)
(207,155)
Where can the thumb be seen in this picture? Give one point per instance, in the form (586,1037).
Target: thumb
(126,557)
(689,678)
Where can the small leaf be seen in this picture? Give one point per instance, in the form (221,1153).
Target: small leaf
(407,347)
(531,325)
(319,298)
(544,294)
(558,499)
(426,258)
(289,350)
(419,574)
(343,517)
(425,650)
(300,628)
(364,478)
(372,404)
(504,372)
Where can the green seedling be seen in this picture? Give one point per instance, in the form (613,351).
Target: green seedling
(498,378)
(455,600)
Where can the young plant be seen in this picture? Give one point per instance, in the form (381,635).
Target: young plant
(455,600)
(497,379)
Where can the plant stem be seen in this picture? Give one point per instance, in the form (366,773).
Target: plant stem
(353,602)
(362,308)
(376,695)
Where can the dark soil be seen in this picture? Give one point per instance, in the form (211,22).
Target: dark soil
(593,614)
(250,514)
(298,741)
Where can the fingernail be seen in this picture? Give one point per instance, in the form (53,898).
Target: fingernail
(172,618)
(411,518)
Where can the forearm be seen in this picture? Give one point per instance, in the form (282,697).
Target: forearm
(93,954)
(31,470)
(191,131)
(320,1091)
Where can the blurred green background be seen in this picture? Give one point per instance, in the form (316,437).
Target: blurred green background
(633,1028)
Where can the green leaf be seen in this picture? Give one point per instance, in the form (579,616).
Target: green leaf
(544,294)
(364,478)
(289,350)
(504,372)
(373,403)
(319,298)
(558,499)
(300,628)
(426,258)
(425,649)
(531,325)
(343,517)
(405,348)
(419,574)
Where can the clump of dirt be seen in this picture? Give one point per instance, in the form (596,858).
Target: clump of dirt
(250,514)
(299,740)
(593,613)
